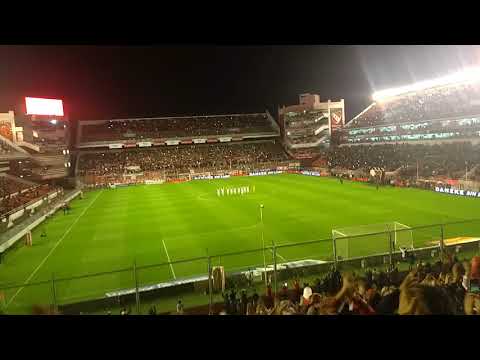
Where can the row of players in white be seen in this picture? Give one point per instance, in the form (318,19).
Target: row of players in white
(234,191)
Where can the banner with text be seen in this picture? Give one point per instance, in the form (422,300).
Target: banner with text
(263,173)
(459,192)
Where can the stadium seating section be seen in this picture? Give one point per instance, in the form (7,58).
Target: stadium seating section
(15,194)
(181,158)
(437,103)
(434,160)
(176,127)
(436,114)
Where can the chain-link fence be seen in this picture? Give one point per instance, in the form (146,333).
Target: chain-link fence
(202,281)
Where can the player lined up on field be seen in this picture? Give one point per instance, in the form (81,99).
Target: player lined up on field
(242,190)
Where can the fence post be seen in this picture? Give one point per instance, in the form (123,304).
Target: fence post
(210,287)
(137,294)
(390,250)
(54,294)
(274,269)
(442,244)
(334,242)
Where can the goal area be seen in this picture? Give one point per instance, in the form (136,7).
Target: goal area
(371,239)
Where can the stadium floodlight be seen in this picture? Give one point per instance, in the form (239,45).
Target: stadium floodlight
(468,75)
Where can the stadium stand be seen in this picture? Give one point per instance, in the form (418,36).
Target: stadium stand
(15,195)
(181,158)
(155,128)
(442,113)
(434,103)
(436,159)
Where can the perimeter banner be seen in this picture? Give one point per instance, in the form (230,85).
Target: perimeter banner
(459,192)
(263,173)
(310,173)
(210,177)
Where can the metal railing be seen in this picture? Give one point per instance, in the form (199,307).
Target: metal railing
(141,285)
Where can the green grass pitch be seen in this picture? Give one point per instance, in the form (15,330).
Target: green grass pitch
(151,224)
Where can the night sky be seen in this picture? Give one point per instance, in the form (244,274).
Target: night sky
(101,82)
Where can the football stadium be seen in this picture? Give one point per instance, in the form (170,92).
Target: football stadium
(300,212)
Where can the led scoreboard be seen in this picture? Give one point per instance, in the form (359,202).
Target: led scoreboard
(47,107)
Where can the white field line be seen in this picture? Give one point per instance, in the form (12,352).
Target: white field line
(340,233)
(53,249)
(408,227)
(169,261)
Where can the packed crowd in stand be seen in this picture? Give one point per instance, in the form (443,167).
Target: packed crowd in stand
(10,202)
(436,103)
(181,158)
(9,186)
(434,160)
(177,127)
(440,288)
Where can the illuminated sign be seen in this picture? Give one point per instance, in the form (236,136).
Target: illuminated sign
(40,106)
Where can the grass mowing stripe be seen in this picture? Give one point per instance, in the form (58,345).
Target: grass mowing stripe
(53,249)
(169,261)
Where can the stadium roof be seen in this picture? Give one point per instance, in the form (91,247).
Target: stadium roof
(468,75)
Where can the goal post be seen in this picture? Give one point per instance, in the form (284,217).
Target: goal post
(370,239)
(402,236)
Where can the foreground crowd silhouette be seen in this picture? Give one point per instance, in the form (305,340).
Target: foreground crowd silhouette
(428,289)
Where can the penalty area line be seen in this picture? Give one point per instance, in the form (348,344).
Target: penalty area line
(169,261)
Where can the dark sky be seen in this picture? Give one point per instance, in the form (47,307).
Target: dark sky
(98,82)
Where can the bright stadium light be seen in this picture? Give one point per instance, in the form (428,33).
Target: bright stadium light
(42,106)
(468,75)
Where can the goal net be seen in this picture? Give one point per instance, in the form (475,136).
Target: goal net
(372,239)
